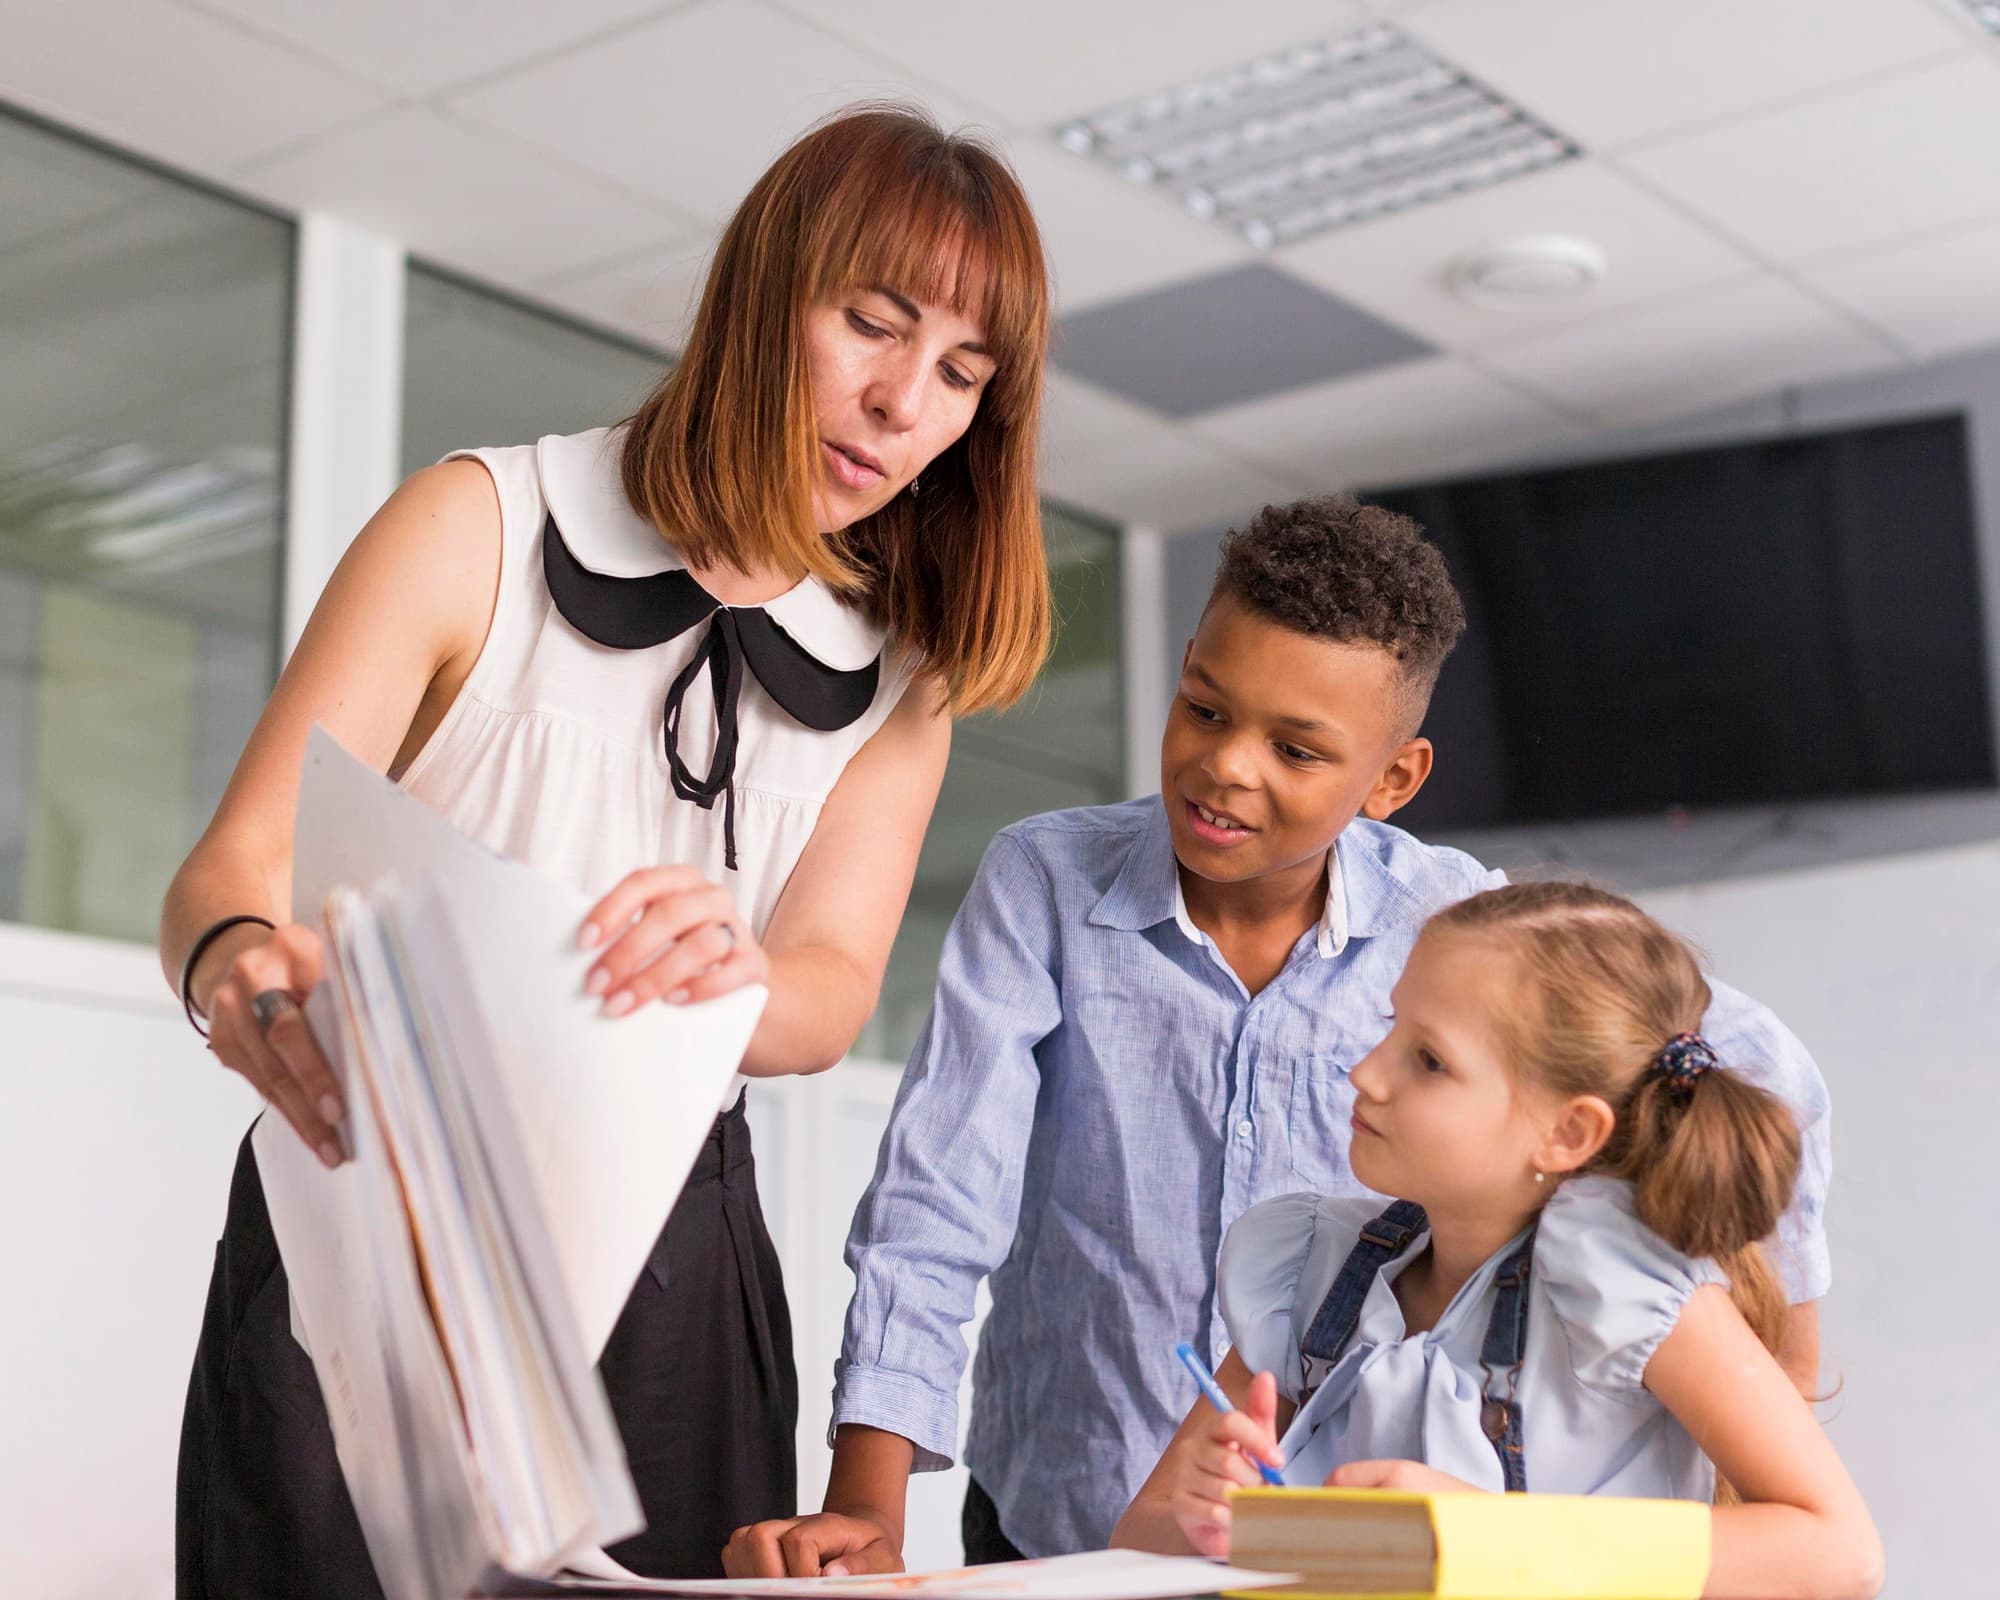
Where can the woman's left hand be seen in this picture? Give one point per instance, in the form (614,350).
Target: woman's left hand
(1411,1476)
(673,936)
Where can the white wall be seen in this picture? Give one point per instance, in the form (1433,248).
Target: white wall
(1890,972)
(815,1140)
(117,1132)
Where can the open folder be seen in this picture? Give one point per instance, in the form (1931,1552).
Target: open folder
(514,1155)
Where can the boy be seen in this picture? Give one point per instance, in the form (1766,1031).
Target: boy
(1144,1018)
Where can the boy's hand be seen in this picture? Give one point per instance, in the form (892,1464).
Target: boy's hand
(1222,1459)
(1411,1476)
(827,1545)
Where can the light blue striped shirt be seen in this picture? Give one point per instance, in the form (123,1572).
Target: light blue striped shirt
(1093,1101)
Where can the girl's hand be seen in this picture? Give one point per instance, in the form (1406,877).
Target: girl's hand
(1412,1476)
(255,1028)
(674,936)
(1222,1458)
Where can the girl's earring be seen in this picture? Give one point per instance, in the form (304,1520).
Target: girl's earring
(1541,1176)
(917,484)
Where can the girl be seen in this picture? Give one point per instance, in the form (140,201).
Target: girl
(1569,1296)
(703,666)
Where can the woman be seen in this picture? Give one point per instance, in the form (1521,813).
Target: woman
(703,666)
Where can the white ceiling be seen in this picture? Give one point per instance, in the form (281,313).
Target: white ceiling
(1785,190)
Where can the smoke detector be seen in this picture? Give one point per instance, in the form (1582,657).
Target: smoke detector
(1520,274)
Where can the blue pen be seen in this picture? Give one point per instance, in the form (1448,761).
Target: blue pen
(1213,1391)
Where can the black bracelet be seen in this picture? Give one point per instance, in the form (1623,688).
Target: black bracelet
(210,934)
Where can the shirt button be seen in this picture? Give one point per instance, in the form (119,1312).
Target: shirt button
(1243,1130)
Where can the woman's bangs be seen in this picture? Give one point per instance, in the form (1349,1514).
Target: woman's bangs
(941,251)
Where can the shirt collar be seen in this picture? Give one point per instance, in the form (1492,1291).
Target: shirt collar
(584,492)
(1147,892)
(1331,937)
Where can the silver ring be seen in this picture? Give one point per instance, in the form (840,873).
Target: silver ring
(267,1005)
(730,929)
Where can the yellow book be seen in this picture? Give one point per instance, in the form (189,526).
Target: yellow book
(1384,1544)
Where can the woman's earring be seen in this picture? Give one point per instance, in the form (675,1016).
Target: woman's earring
(917,484)
(1541,1176)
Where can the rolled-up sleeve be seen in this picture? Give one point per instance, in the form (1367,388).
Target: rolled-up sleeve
(1749,1039)
(941,1211)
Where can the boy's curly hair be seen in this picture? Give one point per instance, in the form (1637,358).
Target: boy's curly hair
(1334,568)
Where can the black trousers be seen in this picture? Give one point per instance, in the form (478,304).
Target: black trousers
(979,1527)
(698,1369)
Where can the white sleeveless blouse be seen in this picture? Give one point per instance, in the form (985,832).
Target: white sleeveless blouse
(554,752)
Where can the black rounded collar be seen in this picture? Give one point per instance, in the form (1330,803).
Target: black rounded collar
(638,613)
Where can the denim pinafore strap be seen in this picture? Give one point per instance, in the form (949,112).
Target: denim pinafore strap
(1382,1240)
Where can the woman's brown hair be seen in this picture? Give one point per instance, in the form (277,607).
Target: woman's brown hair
(1603,989)
(723,455)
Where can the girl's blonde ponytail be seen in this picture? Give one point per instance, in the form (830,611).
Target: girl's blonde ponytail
(1711,1157)
(1712,1167)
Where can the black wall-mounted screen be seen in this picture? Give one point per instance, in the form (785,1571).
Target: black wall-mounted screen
(1792,619)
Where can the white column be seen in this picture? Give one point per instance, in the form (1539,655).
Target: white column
(1142,636)
(347,400)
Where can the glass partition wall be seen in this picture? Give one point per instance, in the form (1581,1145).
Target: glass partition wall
(1061,746)
(143,340)
(480,368)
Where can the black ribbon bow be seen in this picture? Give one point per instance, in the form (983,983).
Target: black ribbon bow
(638,613)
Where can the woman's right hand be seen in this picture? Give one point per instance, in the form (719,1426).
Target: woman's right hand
(1220,1458)
(281,1061)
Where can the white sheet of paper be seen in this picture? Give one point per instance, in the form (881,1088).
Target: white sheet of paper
(612,1111)
(1096,1575)
(384,1384)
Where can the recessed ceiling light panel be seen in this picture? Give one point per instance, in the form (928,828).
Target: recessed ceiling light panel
(1318,136)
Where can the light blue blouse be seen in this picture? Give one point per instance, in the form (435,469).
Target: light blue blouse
(1604,1292)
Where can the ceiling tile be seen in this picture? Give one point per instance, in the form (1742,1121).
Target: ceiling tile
(1608,73)
(181,87)
(1081,422)
(1076,415)
(1165,477)
(1705,350)
(1107,237)
(1225,338)
(461,197)
(1937,295)
(1056,59)
(650,295)
(420,46)
(1427,419)
(1399,267)
(693,107)
(1909,152)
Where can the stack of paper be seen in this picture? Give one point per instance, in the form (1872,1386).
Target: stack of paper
(514,1157)
(539,1440)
